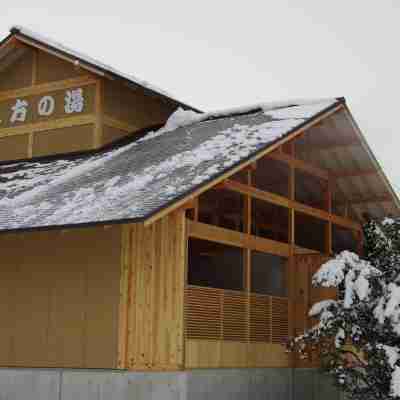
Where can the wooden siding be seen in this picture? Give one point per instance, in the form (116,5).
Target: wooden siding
(131,110)
(233,354)
(59,298)
(155,262)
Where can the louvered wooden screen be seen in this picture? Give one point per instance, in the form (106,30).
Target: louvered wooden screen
(217,314)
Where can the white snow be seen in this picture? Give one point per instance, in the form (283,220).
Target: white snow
(319,307)
(157,183)
(389,307)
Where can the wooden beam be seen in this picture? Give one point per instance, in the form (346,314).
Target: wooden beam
(354,173)
(99,105)
(48,125)
(47,87)
(285,202)
(58,54)
(34,67)
(251,160)
(299,164)
(238,239)
(117,124)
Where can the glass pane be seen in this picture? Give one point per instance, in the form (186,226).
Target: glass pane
(270,221)
(222,208)
(310,190)
(343,239)
(272,176)
(309,232)
(215,265)
(268,274)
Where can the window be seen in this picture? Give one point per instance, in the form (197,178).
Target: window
(215,265)
(269,220)
(222,208)
(268,274)
(310,232)
(310,190)
(343,239)
(272,176)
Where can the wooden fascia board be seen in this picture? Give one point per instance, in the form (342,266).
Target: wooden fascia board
(71,59)
(242,165)
(373,159)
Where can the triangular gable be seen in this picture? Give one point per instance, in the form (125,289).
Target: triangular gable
(9,47)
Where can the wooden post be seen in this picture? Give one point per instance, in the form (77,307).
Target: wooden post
(328,226)
(247,252)
(291,270)
(99,100)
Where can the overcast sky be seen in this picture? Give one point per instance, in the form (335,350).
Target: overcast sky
(218,54)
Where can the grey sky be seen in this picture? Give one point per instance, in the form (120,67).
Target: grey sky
(218,54)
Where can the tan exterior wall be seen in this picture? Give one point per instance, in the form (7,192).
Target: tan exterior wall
(59,297)
(151,329)
(18,74)
(231,354)
(62,140)
(132,109)
(50,69)
(112,110)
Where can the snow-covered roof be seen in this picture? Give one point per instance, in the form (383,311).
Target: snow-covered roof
(132,182)
(85,59)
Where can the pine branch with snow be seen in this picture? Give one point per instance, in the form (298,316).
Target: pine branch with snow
(358,333)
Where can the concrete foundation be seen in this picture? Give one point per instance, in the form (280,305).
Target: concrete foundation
(222,384)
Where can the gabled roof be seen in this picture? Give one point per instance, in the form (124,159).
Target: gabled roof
(46,44)
(134,181)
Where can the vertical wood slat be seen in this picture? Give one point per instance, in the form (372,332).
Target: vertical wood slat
(217,314)
(155,314)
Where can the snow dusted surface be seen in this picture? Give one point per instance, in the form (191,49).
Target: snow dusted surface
(135,180)
(84,57)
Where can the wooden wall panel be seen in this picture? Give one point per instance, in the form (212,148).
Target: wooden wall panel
(60,308)
(63,140)
(50,68)
(14,147)
(18,74)
(225,354)
(133,107)
(111,134)
(156,295)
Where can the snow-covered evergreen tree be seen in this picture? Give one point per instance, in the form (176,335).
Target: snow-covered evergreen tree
(358,333)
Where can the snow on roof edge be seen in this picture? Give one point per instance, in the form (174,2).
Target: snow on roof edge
(50,42)
(182,118)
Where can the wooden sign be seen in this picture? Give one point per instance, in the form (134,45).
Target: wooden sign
(43,107)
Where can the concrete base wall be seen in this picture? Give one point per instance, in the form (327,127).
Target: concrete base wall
(222,384)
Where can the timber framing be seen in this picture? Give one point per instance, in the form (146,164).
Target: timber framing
(287,203)
(48,87)
(292,135)
(49,125)
(229,237)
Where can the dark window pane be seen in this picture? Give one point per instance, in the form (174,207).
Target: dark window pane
(343,239)
(310,190)
(222,208)
(271,176)
(241,177)
(215,265)
(268,274)
(269,220)
(309,232)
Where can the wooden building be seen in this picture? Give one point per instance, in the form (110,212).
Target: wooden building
(190,247)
